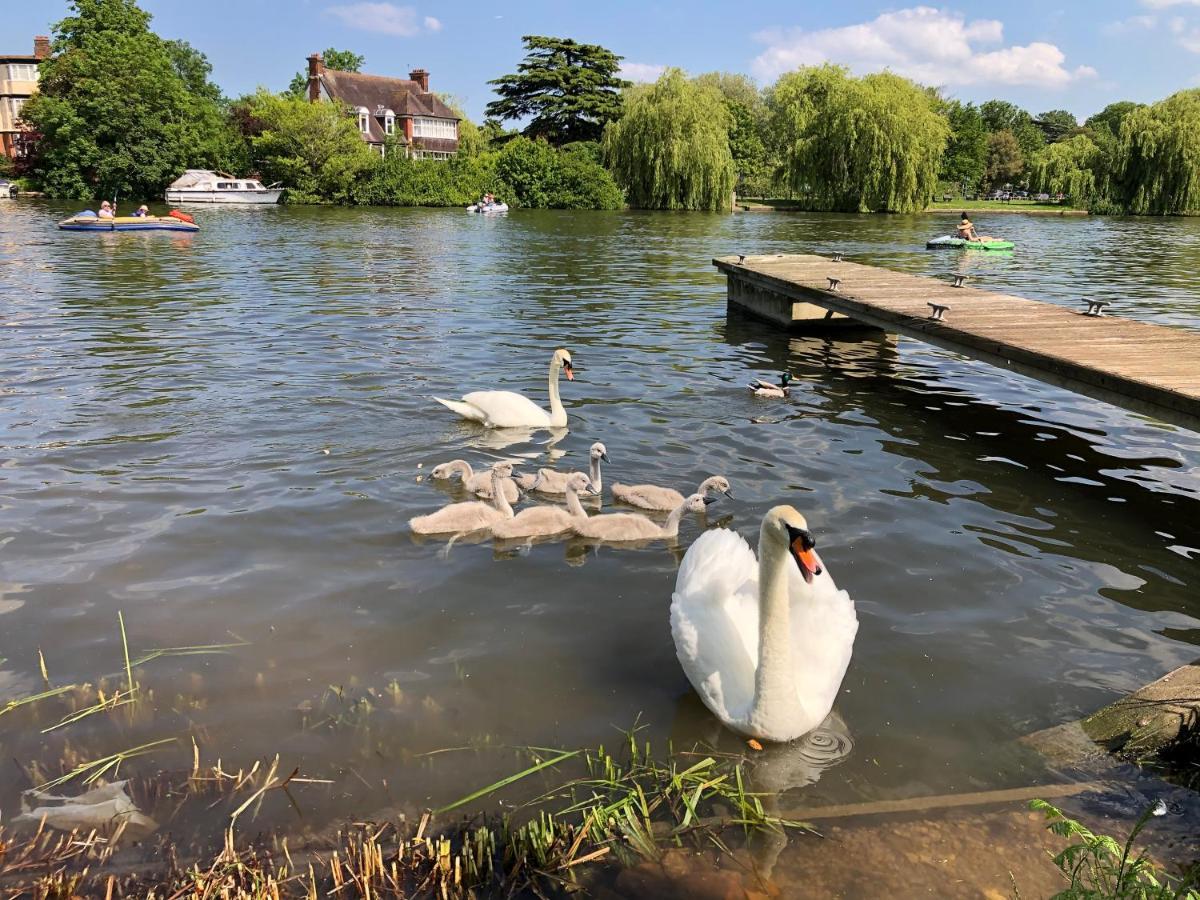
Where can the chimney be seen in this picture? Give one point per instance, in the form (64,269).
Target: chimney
(421,77)
(316,68)
(41,47)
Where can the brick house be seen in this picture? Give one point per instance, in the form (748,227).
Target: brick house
(18,82)
(399,108)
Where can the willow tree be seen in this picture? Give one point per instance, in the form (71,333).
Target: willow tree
(671,148)
(857,144)
(1158,156)
(1075,167)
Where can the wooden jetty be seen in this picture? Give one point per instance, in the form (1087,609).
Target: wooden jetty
(1150,369)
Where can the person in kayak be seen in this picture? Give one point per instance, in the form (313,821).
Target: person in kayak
(106,210)
(966,231)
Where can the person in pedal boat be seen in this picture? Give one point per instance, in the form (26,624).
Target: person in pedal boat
(106,210)
(142,210)
(966,231)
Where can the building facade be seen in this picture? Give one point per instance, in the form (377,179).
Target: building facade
(18,82)
(399,109)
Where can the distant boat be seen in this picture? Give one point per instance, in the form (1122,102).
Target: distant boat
(89,221)
(204,186)
(8,190)
(488,208)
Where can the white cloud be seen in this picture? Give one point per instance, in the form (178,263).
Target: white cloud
(384,18)
(1190,40)
(1133,23)
(640,72)
(932,46)
(1166,4)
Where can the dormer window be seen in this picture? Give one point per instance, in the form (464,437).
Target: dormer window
(364,120)
(389,122)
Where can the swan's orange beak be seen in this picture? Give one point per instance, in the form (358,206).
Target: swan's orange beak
(804,552)
(570,370)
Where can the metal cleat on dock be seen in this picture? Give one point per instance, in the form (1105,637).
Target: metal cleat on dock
(938,310)
(833,283)
(1096,307)
(838,255)
(959,280)
(741,259)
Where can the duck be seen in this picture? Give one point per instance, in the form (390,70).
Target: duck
(475,515)
(764,641)
(618,527)
(478,483)
(508,409)
(552,481)
(544,521)
(762,388)
(650,496)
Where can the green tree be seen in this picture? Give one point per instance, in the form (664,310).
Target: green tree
(671,148)
(1074,167)
(1057,124)
(965,160)
(1004,158)
(313,148)
(338,60)
(121,111)
(1000,115)
(857,144)
(747,127)
(1158,156)
(1109,119)
(570,89)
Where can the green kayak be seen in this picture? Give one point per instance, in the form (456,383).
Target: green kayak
(956,243)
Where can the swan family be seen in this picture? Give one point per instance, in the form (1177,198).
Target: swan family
(764,639)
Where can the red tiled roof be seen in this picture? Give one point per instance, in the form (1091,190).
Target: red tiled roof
(402,96)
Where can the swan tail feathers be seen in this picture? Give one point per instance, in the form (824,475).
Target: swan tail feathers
(466,410)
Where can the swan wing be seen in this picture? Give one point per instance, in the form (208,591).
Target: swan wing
(823,624)
(464,409)
(714,621)
(507,409)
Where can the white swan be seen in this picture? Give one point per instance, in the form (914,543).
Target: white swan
(651,496)
(634,526)
(543,521)
(478,483)
(508,409)
(764,642)
(552,481)
(463,518)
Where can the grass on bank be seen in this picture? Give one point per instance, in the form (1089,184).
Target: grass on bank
(1008,206)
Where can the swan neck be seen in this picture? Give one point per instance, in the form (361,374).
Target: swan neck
(595,475)
(574,507)
(558,415)
(463,467)
(498,498)
(671,529)
(774,684)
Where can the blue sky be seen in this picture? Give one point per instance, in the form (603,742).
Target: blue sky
(1042,55)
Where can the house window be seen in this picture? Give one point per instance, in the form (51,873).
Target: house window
(364,120)
(22,72)
(425,126)
(389,125)
(15,105)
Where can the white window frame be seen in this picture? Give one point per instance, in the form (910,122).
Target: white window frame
(22,72)
(432,127)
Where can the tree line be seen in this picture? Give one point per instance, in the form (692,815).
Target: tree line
(122,111)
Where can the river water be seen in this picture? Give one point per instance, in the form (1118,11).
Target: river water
(222,435)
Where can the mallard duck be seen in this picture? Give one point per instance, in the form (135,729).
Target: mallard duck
(766,389)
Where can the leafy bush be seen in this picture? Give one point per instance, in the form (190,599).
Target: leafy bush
(397,180)
(1099,868)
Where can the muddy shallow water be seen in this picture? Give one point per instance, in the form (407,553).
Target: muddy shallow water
(222,436)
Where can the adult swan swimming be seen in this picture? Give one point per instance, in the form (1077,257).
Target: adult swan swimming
(764,642)
(508,409)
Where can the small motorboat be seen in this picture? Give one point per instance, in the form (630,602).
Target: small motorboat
(952,242)
(89,221)
(488,208)
(8,190)
(206,186)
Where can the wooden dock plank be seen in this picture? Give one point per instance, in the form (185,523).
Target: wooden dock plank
(1150,368)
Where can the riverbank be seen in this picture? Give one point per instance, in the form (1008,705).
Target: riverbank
(1026,207)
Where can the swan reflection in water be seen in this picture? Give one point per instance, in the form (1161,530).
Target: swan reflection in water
(771,772)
